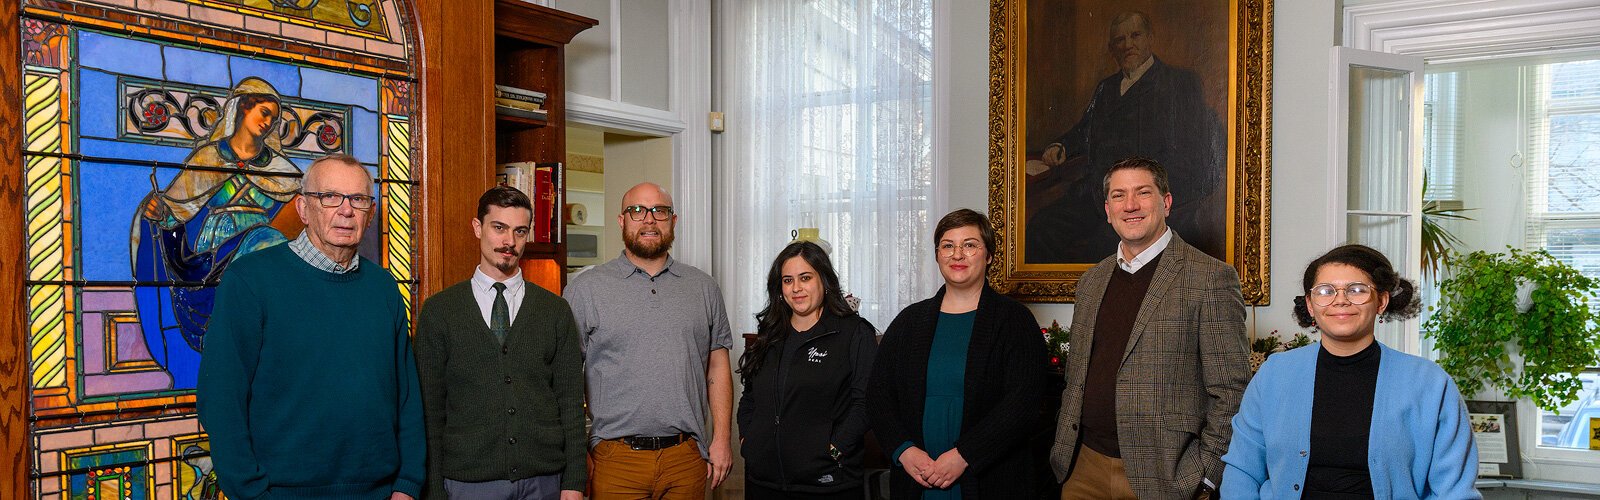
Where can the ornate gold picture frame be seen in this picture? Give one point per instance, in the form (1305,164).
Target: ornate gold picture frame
(1077,85)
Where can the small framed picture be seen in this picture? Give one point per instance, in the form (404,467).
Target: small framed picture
(1494,427)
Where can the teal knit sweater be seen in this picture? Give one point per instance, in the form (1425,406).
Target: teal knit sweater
(496,411)
(308,385)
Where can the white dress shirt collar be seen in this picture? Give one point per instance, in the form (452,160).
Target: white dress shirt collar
(1138,261)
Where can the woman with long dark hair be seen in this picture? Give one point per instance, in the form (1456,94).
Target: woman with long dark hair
(803,411)
(1348,417)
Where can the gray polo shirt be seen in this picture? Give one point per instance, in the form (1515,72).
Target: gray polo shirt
(646,343)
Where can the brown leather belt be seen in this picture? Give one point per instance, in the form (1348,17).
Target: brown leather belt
(648,443)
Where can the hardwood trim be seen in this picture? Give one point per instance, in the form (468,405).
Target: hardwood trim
(15,461)
(537,23)
(458,133)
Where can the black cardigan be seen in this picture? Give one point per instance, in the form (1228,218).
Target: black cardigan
(1004,388)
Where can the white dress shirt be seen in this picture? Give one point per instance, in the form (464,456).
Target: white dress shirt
(483,291)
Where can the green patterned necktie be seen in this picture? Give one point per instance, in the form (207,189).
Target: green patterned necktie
(500,315)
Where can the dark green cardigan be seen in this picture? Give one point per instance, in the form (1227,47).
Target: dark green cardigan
(501,412)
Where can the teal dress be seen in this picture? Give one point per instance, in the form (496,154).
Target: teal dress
(947,375)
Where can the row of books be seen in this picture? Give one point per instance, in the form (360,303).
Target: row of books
(542,183)
(522,103)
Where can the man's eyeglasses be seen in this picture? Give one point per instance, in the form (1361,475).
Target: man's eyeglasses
(1357,293)
(948,249)
(333,200)
(636,212)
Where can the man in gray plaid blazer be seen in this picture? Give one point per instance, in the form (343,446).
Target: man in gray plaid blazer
(1159,359)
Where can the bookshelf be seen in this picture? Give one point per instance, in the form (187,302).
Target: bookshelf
(529,53)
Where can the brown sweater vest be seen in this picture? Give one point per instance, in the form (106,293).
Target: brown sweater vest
(1112,326)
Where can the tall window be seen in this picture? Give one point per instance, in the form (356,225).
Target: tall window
(1441,136)
(829,127)
(1563,203)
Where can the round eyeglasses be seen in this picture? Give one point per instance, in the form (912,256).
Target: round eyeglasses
(1357,293)
(333,200)
(948,249)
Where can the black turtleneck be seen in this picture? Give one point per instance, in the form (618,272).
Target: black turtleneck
(1341,423)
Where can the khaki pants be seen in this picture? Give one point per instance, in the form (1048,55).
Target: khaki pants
(1096,476)
(618,472)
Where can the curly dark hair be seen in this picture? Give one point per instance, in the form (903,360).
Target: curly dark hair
(1403,298)
(773,321)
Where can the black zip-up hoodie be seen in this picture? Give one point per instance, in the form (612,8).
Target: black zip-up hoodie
(795,406)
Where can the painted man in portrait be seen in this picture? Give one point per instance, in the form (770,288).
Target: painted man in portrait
(1147,108)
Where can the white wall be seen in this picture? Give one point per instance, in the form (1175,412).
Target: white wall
(630,161)
(1490,179)
(1305,31)
(627,57)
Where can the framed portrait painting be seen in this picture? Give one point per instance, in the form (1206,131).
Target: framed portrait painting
(1077,85)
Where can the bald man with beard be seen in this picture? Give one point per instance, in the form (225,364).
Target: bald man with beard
(655,339)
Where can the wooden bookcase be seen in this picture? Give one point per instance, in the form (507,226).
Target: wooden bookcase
(462,138)
(529,53)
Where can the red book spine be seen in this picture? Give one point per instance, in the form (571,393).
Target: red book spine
(544,204)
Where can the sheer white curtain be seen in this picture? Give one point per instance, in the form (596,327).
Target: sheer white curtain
(829,126)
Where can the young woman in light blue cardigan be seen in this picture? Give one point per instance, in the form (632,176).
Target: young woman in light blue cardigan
(1349,417)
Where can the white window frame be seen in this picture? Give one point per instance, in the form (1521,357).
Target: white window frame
(1343,60)
(1450,31)
(1537,154)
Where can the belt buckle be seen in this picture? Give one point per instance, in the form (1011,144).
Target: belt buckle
(635,443)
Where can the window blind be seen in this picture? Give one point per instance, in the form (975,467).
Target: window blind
(1441,135)
(1563,213)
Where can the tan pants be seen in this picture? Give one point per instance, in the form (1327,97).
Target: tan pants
(1095,476)
(618,472)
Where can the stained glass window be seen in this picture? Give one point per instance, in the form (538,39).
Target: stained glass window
(155,153)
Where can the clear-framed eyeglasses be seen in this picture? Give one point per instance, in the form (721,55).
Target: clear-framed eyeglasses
(1357,293)
(659,212)
(948,249)
(333,200)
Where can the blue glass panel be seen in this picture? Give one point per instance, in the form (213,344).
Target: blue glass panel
(196,67)
(132,151)
(119,55)
(328,86)
(98,114)
(283,77)
(362,135)
(108,200)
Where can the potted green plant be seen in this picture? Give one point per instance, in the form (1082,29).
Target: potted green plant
(1477,325)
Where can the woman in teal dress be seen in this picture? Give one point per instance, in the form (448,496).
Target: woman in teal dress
(958,385)
(190,231)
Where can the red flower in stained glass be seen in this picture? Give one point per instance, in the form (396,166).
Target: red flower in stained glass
(155,114)
(327,135)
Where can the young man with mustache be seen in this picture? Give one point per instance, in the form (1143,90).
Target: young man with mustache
(502,375)
(655,336)
(1159,360)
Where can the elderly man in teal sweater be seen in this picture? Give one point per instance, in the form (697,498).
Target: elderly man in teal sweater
(502,374)
(308,385)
